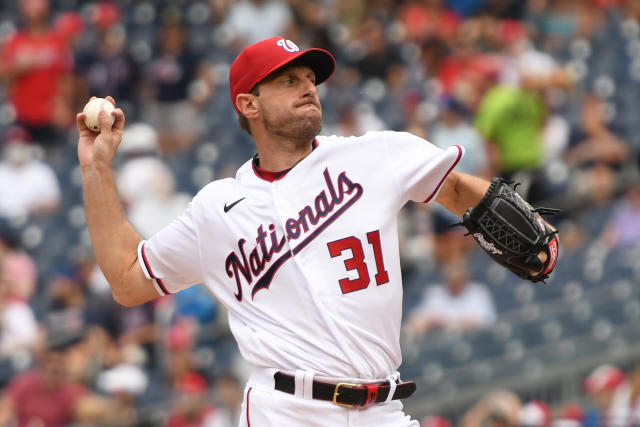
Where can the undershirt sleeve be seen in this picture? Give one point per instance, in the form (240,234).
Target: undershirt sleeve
(171,257)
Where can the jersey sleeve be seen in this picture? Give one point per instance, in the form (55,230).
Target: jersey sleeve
(420,166)
(171,257)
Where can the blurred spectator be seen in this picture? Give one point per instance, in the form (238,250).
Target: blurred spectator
(570,415)
(133,327)
(523,64)
(609,391)
(634,395)
(17,268)
(191,407)
(145,182)
(459,304)
(27,185)
(18,324)
(467,72)
(44,396)
(453,128)
(66,305)
(512,120)
(527,67)
(179,343)
(36,65)
(597,152)
(123,383)
(197,303)
(274,17)
(70,27)
(356,120)
(105,67)
(560,23)
(423,20)
(114,328)
(376,57)
(535,414)
(500,408)
(161,203)
(416,236)
(228,394)
(512,115)
(139,144)
(179,84)
(313,22)
(435,421)
(623,227)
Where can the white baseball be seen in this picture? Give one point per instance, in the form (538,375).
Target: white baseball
(92,109)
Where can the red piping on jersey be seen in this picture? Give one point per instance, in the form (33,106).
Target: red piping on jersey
(445,175)
(274,176)
(248,420)
(158,281)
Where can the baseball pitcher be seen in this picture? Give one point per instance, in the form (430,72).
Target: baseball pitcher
(301,246)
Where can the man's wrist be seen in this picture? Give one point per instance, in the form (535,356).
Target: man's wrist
(95,167)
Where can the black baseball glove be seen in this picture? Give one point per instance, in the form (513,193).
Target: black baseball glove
(512,232)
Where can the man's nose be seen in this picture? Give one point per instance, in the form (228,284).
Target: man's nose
(309,87)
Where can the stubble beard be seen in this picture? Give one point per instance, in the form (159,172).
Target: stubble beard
(303,128)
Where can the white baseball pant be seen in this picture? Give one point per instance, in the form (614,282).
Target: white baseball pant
(264,406)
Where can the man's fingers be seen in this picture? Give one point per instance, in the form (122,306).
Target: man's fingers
(118,124)
(543,256)
(80,124)
(104,122)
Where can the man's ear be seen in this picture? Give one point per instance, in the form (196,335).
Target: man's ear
(247,104)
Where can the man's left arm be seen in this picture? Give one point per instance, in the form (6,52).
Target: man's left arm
(496,216)
(461,192)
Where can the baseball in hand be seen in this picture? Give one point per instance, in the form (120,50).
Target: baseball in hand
(92,109)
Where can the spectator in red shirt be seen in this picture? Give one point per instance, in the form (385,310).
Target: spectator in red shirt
(44,396)
(36,66)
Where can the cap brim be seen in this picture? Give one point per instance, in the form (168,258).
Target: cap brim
(320,61)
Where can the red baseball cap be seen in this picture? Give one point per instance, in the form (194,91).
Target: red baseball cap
(260,59)
(604,377)
(16,135)
(69,24)
(535,413)
(105,14)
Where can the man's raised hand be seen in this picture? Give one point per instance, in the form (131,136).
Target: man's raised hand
(97,149)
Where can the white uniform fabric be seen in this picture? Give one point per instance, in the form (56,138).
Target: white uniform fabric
(307,265)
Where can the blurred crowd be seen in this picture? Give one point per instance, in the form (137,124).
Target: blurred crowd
(541,92)
(615,398)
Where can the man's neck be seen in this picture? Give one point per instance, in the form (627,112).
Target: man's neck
(276,156)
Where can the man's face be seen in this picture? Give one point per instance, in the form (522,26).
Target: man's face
(289,103)
(34,10)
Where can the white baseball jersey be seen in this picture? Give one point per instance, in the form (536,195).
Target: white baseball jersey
(307,263)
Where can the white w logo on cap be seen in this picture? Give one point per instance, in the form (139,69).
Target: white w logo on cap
(288,45)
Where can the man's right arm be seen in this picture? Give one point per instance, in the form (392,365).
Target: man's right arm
(114,239)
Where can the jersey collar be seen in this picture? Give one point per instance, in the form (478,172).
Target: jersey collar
(273,176)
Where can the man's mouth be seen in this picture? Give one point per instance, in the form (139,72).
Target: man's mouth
(304,104)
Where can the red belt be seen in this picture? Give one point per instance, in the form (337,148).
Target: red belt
(347,394)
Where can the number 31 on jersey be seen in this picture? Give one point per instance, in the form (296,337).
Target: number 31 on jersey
(357,261)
